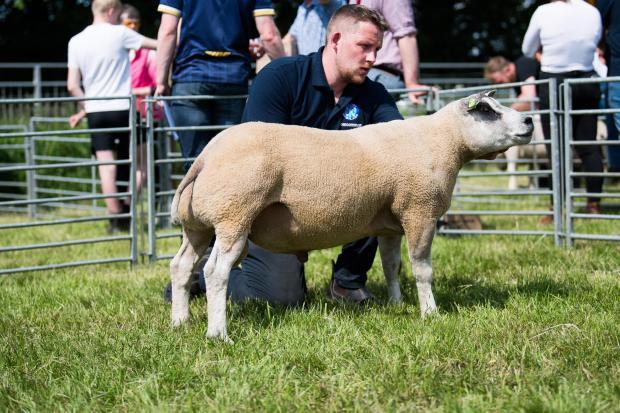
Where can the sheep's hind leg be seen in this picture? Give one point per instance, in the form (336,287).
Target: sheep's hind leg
(192,248)
(389,247)
(226,252)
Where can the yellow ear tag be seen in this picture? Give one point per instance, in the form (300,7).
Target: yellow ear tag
(472,103)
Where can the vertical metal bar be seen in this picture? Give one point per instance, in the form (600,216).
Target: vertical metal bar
(554,156)
(150,183)
(36,86)
(132,180)
(31,182)
(568,163)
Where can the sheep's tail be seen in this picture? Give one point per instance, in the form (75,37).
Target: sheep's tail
(189,178)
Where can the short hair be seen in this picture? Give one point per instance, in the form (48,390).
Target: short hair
(357,14)
(102,6)
(130,12)
(494,65)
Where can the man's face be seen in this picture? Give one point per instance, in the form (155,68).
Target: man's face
(356,51)
(505,75)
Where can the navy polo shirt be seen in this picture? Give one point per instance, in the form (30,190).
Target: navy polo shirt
(294,91)
(213,44)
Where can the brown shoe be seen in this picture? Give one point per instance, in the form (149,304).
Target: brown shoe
(546,220)
(358,295)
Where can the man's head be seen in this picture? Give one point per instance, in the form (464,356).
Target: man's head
(130,17)
(500,70)
(354,35)
(107,10)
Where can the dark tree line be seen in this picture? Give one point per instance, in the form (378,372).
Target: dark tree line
(448,31)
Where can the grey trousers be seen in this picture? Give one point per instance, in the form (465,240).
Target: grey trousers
(264,275)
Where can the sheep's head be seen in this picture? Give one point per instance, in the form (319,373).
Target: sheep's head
(490,128)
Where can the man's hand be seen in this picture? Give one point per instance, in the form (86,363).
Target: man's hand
(162,90)
(256,48)
(76,118)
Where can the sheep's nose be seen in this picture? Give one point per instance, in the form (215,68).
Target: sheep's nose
(528,120)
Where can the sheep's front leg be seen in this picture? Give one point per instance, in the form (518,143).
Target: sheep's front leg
(217,271)
(420,233)
(389,247)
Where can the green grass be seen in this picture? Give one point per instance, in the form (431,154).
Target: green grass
(523,326)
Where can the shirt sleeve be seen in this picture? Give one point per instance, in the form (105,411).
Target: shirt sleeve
(531,40)
(269,99)
(526,68)
(386,109)
(174,7)
(71,58)
(131,39)
(399,16)
(264,8)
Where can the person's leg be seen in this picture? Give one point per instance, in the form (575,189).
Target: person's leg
(276,278)
(107,174)
(189,112)
(388,80)
(586,96)
(350,269)
(613,101)
(228,111)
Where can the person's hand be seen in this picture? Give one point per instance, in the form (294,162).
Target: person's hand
(76,118)
(162,90)
(413,96)
(256,48)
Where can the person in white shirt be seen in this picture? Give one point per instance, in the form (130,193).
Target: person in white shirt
(568,31)
(98,60)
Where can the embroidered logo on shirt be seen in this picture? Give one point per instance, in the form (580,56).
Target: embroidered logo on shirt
(351,111)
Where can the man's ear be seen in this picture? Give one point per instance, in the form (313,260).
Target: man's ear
(334,38)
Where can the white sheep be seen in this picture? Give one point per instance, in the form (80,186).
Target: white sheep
(296,189)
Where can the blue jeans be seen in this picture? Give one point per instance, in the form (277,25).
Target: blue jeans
(389,80)
(204,113)
(613,101)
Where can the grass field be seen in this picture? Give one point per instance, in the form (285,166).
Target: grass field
(523,326)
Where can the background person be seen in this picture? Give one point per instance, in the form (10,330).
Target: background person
(212,58)
(328,89)
(524,69)
(308,31)
(98,58)
(569,32)
(610,13)
(398,62)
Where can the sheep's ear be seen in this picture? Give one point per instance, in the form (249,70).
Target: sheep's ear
(490,93)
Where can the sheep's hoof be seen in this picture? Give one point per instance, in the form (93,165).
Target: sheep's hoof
(220,337)
(178,321)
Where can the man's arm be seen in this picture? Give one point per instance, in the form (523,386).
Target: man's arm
(148,43)
(290,44)
(74,87)
(270,36)
(166,46)
(526,97)
(410,58)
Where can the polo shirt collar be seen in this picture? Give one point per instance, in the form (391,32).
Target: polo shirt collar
(318,73)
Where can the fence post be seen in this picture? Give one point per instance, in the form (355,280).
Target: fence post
(555,157)
(568,163)
(150,183)
(36,87)
(132,180)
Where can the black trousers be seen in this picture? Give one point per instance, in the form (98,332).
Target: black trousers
(584,96)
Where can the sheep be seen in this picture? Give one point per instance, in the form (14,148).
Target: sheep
(296,189)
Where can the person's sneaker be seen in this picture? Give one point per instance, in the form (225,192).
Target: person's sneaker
(195,290)
(358,295)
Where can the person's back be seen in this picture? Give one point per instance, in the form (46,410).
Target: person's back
(568,32)
(100,52)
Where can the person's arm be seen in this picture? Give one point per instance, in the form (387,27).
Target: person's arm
(408,47)
(270,36)
(531,40)
(74,87)
(166,46)
(526,97)
(290,44)
(148,43)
